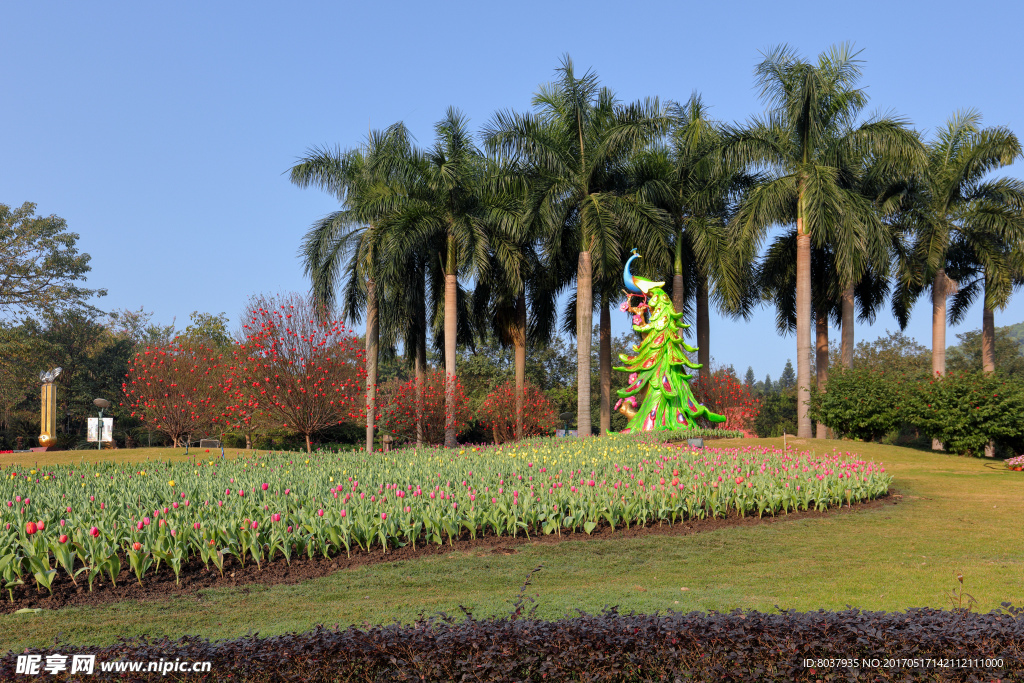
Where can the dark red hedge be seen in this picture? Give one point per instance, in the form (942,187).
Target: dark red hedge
(738,646)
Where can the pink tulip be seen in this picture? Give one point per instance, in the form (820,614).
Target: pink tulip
(94,532)
(264,487)
(241,492)
(320,512)
(275,517)
(383,515)
(342,513)
(196,525)
(255,524)
(289,529)
(139,526)
(175,506)
(62,522)
(40,525)
(69,509)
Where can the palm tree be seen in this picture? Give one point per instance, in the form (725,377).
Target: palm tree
(687,179)
(444,198)
(340,242)
(516,275)
(803,143)
(574,144)
(954,210)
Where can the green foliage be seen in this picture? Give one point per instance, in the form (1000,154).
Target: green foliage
(39,263)
(94,362)
(967,410)
(208,329)
(788,377)
(777,414)
(861,403)
(966,356)
(893,353)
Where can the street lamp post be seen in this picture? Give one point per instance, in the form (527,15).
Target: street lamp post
(102,404)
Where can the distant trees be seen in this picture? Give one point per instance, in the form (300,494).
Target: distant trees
(40,266)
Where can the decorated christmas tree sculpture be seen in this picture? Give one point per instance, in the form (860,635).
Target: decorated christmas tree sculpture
(658,396)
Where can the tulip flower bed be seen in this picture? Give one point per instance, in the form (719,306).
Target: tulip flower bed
(89,521)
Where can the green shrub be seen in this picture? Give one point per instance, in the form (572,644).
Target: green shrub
(860,403)
(965,411)
(777,415)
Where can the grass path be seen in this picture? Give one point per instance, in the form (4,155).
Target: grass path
(956,514)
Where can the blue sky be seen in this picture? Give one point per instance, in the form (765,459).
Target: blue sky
(162,132)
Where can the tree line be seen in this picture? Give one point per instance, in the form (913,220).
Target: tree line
(808,206)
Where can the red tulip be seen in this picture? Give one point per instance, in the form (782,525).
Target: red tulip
(63,538)
(30,528)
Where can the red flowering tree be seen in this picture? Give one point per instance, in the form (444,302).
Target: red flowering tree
(398,408)
(723,393)
(176,389)
(242,408)
(498,413)
(295,370)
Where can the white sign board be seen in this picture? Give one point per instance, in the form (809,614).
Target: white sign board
(108,429)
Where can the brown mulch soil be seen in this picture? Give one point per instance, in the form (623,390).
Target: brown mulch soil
(195,577)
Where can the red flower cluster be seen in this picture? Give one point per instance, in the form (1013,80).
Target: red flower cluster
(291,370)
(724,394)
(498,413)
(176,388)
(401,406)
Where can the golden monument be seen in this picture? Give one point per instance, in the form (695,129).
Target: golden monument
(48,423)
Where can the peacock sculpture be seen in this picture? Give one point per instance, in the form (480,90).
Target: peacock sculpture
(659,396)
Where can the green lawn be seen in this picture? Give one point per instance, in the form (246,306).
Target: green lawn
(121,455)
(956,514)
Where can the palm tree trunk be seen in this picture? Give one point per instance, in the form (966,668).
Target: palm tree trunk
(988,357)
(703,326)
(803,329)
(939,291)
(939,294)
(519,341)
(605,356)
(372,341)
(988,340)
(821,363)
(451,285)
(846,353)
(678,293)
(584,331)
(421,355)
